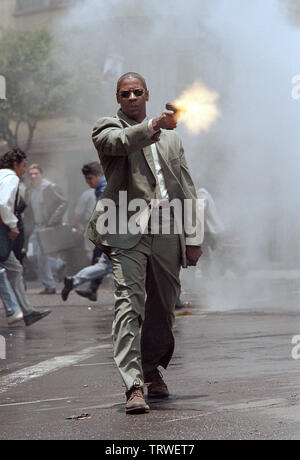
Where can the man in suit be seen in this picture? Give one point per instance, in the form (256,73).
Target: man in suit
(144,161)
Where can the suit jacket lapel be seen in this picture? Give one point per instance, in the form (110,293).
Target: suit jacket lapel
(149,158)
(175,191)
(146,150)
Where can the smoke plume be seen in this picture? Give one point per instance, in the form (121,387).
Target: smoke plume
(293,11)
(245,51)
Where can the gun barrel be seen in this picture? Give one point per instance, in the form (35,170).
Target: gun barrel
(175,108)
(172,107)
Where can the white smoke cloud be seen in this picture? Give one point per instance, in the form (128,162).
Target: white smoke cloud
(247,51)
(293,11)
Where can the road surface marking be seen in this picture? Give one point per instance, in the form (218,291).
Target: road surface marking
(32,402)
(239,406)
(47,367)
(93,364)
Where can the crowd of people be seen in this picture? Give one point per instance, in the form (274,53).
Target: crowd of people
(24,213)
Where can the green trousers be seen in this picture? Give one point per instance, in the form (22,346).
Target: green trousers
(146,288)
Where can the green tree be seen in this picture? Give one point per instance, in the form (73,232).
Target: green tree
(36,87)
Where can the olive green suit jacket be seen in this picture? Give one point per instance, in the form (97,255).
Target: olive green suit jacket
(124,149)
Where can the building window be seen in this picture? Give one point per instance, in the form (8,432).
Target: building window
(32,6)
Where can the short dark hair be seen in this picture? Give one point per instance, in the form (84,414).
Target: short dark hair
(93,168)
(132,75)
(12,156)
(35,166)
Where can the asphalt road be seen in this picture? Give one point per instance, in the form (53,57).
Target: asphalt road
(232,376)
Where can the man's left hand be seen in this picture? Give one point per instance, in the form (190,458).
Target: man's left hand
(193,254)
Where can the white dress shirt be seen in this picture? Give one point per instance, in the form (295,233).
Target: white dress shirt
(189,229)
(159,174)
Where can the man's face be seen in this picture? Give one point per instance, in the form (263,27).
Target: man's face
(35,176)
(93,181)
(133,105)
(20,168)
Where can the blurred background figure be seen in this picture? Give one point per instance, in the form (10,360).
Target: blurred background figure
(19,243)
(214,235)
(12,309)
(213,225)
(94,177)
(12,168)
(213,231)
(101,265)
(83,211)
(97,271)
(46,207)
(222,249)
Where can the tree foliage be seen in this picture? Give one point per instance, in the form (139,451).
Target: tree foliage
(36,87)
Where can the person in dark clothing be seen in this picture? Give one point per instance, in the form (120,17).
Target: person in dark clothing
(19,243)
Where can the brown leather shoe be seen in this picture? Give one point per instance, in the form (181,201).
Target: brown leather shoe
(136,403)
(155,384)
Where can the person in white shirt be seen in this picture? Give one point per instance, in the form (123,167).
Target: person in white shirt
(12,168)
